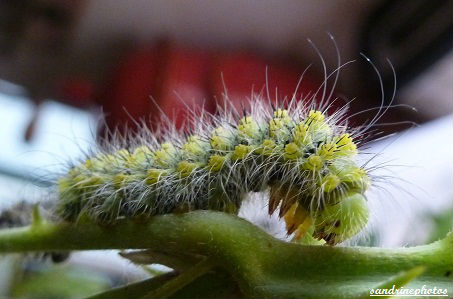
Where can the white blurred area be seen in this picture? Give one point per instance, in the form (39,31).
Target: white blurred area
(62,134)
(418,171)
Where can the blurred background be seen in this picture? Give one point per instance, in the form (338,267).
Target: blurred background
(71,69)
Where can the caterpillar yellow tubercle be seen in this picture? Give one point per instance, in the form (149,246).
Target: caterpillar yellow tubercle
(304,158)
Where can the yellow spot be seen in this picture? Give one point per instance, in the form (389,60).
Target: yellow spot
(267,148)
(248,127)
(241,151)
(142,150)
(94,164)
(314,162)
(141,155)
(131,161)
(345,145)
(280,113)
(283,114)
(300,134)
(275,126)
(220,139)
(348,172)
(185,168)
(318,128)
(280,125)
(315,115)
(357,178)
(216,162)
(279,129)
(84,181)
(193,146)
(330,182)
(327,151)
(164,156)
(119,180)
(154,175)
(292,151)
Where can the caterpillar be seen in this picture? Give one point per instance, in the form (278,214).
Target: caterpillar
(303,156)
(302,152)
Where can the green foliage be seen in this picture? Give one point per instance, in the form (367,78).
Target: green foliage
(441,224)
(58,282)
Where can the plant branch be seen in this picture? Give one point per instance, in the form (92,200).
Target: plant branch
(261,265)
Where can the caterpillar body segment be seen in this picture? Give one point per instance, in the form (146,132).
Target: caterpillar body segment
(303,157)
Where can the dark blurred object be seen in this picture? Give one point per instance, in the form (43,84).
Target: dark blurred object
(42,23)
(34,39)
(17,215)
(413,34)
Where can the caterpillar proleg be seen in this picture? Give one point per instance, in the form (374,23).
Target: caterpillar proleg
(301,151)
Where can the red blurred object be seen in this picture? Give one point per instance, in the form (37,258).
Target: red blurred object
(76,92)
(125,97)
(241,74)
(176,77)
(183,82)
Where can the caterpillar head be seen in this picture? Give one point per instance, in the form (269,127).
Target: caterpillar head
(342,220)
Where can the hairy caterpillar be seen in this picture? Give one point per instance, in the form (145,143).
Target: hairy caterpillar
(305,157)
(301,152)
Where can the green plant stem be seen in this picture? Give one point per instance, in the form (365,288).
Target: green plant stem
(261,265)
